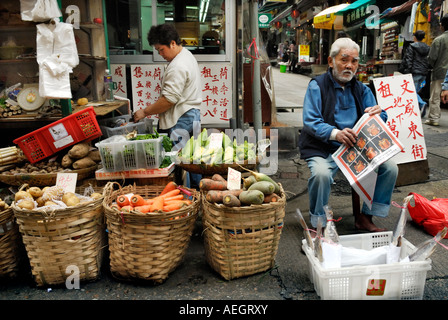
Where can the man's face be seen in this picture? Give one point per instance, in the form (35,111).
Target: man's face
(167,52)
(344,65)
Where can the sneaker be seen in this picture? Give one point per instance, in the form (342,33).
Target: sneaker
(432,122)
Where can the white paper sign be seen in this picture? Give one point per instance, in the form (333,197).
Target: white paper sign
(233,179)
(215,141)
(217,91)
(397,96)
(67,181)
(119,77)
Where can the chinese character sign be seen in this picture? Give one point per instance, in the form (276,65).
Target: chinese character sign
(119,77)
(216,93)
(304,53)
(216,90)
(146,80)
(396,95)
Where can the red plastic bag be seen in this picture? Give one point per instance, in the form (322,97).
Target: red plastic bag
(432,215)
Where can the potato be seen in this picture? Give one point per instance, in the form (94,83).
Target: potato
(26,204)
(36,192)
(96,195)
(83,163)
(22,195)
(66,161)
(95,155)
(50,203)
(72,201)
(79,151)
(82,101)
(40,202)
(67,196)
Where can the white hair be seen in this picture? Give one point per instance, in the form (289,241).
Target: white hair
(342,43)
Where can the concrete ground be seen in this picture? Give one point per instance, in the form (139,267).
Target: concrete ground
(289,280)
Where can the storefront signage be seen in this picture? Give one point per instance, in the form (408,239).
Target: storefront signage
(119,77)
(264,19)
(217,91)
(352,17)
(304,53)
(396,95)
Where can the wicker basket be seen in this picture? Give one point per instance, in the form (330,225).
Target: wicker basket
(10,245)
(147,246)
(58,241)
(44,179)
(242,241)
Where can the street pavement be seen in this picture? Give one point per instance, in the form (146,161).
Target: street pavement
(289,280)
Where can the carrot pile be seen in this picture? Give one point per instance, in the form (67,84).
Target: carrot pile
(169,199)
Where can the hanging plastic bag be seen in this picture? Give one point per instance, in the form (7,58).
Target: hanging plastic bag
(432,215)
(39,10)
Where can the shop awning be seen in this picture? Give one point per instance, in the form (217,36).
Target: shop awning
(356,12)
(282,15)
(327,19)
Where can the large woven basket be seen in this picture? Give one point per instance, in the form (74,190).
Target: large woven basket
(242,241)
(61,242)
(10,245)
(147,246)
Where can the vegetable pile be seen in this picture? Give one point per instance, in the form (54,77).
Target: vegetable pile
(199,150)
(54,197)
(257,189)
(170,199)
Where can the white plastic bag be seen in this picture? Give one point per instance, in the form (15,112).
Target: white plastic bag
(39,10)
(360,257)
(56,55)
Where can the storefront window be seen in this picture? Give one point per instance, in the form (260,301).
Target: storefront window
(200,23)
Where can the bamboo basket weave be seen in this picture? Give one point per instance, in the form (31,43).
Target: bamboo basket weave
(57,241)
(147,246)
(10,245)
(242,241)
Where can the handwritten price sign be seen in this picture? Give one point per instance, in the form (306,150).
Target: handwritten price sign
(233,179)
(67,181)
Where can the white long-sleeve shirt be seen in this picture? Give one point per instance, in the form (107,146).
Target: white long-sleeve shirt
(181,85)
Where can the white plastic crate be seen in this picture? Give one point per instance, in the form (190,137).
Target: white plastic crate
(106,126)
(393,281)
(123,155)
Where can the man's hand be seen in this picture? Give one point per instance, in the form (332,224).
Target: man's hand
(139,114)
(373,110)
(444,96)
(347,137)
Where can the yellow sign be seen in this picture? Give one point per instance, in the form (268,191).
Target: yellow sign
(304,53)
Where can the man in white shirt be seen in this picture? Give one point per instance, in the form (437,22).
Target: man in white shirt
(179,103)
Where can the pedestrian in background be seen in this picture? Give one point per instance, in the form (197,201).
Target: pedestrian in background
(416,63)
(292,56)
(333,104)
(438,59)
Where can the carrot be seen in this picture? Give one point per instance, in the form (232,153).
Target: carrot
(114,205)
(127,208)
(122,200)
(157,205)
(174,206)
(149,201)
(271,198)
(169,187)
(178,197)
(217,196)
(218,177)
(171,193)
(143,209)
(137,200)
(209,184)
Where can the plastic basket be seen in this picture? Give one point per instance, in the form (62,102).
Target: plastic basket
(48,140)
(131,154)
(404,281)
(108,130)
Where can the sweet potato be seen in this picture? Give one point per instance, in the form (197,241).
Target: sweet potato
(94,155)
(66,161)
(79,151)
(209,184)
(83,163)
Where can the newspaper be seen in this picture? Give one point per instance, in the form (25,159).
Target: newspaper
(375,145)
